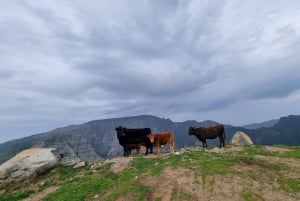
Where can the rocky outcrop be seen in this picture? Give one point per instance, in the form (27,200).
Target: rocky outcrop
(28,164)
(76,148)
(241,138)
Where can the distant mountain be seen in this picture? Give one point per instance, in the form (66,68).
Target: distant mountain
(266,124)
(97,139)
(286,131)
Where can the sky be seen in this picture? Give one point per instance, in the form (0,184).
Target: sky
(68,62)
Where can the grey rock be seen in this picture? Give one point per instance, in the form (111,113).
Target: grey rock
(28,164)
(241,138)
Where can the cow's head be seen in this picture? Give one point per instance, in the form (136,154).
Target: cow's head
(192,130)
(120,131)
(151,137)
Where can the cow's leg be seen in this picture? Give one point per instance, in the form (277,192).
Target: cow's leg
(147,147)
(124,150)
(222,142)
(171,147)
(204,143)
(158,149)
(128,150)
(138,150)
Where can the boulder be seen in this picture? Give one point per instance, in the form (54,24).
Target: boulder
(241,138)
(28,164)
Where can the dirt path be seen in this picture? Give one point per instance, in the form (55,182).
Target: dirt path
(40,195)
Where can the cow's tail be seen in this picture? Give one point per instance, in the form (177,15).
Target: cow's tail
(224,134)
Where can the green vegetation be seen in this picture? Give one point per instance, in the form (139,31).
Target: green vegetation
(19,195)
(249,196)
(258,150)
(289,184)
(192,170)
(66,172)
(294,153)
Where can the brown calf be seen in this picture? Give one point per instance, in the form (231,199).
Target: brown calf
(161,139)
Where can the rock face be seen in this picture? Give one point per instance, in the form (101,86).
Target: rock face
(28,164)
(241,138)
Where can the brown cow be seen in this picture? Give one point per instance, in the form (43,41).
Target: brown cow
(161,139)
(210,132)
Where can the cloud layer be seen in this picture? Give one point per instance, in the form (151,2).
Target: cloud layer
(66,62)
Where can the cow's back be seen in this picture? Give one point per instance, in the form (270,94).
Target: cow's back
(137,135)
(163,138)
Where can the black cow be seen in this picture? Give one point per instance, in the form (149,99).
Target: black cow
(210,132)
(127,137)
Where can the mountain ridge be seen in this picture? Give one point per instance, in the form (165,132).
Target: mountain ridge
(95,140)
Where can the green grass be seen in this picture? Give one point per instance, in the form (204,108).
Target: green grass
(258,150)
(103,181)
(142,165)
(136,190)
(294,153)
(79,189)
(19,195)
(290,184)
(249,196)
(66,171)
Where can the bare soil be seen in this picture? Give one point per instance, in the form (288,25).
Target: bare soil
(186,184)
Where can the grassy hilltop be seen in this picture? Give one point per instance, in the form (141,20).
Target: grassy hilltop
(233,173)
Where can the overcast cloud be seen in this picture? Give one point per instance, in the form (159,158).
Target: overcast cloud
(68,62)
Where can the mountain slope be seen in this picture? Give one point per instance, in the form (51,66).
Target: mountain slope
(96,140)
(267,124)
(286,131)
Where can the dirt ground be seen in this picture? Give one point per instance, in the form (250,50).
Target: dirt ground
(184,184)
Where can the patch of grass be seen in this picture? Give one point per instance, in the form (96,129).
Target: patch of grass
(153,165)
(250,160)
(289,184)
(272,166)
(258,150)
(80,188)
(294,153)
(136,190)
(19,195)
(103,181)
(66,171)
(220,165)
(249,196)
(77,191)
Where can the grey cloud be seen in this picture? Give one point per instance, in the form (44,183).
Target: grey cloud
(182,59)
